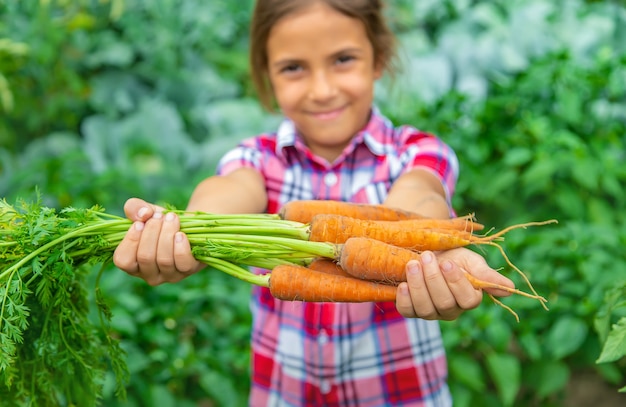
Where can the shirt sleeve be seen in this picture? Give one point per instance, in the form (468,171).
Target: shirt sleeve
(244,155)
(426,151)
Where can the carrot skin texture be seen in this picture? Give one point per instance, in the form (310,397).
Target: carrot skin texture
(462,223)
(361,258)
(298,283)
(303,211)
(328,266)
(338,229)
(371,259)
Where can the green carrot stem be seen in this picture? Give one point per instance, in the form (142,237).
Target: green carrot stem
(301,234)
(193,215)
(319,249)
(236,271)
(271,262)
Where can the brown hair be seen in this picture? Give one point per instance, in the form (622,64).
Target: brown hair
(268,12)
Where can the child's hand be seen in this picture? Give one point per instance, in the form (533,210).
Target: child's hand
(436,287)
(154,248)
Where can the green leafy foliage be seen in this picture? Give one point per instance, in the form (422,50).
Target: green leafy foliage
(51,354)
(613,336)
(615,343)
(186,343)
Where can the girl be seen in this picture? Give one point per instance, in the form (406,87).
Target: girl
(318,61)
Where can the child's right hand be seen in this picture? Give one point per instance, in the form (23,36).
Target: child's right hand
(154,248)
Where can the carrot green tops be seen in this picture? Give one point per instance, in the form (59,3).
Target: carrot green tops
(343,354)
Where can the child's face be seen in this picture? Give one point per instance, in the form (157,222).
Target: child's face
(321,67)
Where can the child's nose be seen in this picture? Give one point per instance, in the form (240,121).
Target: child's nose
(322,86)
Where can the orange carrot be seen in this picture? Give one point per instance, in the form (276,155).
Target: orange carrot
(373,260)
(297,283)
(465,223)
(304,211)
(338,229)
(328,266)
(359,258)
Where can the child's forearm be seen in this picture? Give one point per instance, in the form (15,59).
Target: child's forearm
(242,191)
(421,192)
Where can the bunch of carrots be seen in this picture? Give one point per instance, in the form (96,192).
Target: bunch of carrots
(371,246)
(313,251)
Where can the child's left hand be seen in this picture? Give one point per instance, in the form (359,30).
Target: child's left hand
(436,287)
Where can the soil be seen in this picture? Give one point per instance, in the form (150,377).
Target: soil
(588,389)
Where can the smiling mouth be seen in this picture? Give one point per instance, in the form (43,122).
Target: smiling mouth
(328,115)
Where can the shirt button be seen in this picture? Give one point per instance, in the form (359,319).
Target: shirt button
(330,179)
(325,386)
(322,339)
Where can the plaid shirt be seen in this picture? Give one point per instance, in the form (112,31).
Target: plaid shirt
(343,354)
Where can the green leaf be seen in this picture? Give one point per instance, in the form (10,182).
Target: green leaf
(112,52)
(467,370)
(518,156)
(539,174)
(569,105)
(498,334)
(566,336)
(615,345)
(505,371)
(586,174)
(531,344)
(162,396)
(612,301)
(547,377)
(462,395)
(218,387)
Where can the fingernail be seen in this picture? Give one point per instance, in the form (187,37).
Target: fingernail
(413,267)
(427,257)
(446,265)
(169,216)
(139,226)
(157,215)
(178,237)
(142,212)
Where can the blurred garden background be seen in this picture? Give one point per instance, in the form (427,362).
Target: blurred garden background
(102,100)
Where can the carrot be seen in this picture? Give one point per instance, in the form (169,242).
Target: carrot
(371,259)
(328,266)
(465,223)
(303,211)
(338,229)
(359,258)
(297,283)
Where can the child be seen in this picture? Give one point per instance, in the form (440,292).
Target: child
(319,61)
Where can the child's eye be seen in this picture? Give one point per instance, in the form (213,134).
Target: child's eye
(292,68)
(344,59)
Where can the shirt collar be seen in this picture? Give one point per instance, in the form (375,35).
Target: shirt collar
(373,135)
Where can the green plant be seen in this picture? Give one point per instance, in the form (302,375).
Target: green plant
(612,336)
